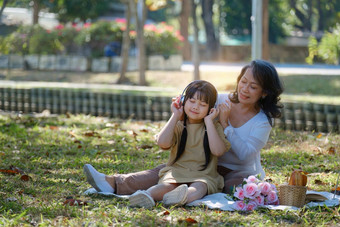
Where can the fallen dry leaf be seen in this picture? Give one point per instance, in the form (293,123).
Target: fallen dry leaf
(72,134)
(75,202)
(144,146)
(133,133)
(16,169)
(163,213)
(319,182)
(190,220)
(338,188)
(112,125)
(52,127)
(92,134)
(25,178)
(144,130)
(9,171)
(319,136)
(111,142)
(331,150)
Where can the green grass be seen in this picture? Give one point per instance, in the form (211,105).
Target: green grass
(312,88)
(52,151)
(312,84)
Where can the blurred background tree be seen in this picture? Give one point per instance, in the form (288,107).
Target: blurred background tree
(83,10)
(220,22)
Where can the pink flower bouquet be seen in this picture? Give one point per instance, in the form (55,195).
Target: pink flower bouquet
(254,193)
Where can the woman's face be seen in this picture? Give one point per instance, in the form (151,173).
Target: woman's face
(249,90)
(196,109)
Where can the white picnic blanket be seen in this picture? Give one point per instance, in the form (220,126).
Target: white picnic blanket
(220,201)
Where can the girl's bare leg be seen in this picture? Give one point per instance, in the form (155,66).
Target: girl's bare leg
(157,191)
(196,191)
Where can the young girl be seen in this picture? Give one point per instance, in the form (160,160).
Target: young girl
(195,144)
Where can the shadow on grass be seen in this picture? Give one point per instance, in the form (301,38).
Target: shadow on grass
(312,84)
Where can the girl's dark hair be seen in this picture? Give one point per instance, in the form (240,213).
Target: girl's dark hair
(206,92)
(266,75)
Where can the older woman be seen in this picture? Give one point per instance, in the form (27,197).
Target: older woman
(247,118)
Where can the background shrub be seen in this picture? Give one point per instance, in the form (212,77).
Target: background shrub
(97,35)
(17,42)
(88,39)
(45,42)
(162,39)
(328,49)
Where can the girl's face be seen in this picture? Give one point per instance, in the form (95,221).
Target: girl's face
(196,109)
(249,90)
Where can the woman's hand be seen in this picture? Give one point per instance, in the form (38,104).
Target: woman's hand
(225,109)
(212,114)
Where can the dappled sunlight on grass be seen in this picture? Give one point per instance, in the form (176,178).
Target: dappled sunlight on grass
(312,84)
(311,152)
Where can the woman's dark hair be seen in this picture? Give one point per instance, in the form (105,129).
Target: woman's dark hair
(205,92)
(266,75)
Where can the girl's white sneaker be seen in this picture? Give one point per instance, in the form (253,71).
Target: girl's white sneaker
(141,199)
(178,196)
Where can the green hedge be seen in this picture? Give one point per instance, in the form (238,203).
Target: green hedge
(160,39)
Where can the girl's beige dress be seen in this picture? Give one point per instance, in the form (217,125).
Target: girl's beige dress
(189,167)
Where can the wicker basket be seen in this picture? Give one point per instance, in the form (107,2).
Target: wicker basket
(291,195)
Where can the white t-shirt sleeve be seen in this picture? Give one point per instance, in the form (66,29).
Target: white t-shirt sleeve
(245,147)
(221,98)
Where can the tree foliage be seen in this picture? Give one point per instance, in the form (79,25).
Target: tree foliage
(314,15)
(328,49)
(81,9)
(235,18)
(284,16)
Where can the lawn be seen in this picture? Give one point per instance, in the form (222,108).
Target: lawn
(41,159)
(46,153)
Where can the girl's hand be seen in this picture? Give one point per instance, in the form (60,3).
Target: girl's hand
(212,114)
(177,101)
(225,109)
(176,108)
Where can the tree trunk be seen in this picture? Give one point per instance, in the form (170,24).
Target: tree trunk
(195,51)
(265,32)
(141,13)
(212,43)
(321,21)
(126,43)
(36,10)
(4,3)
(184,28)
